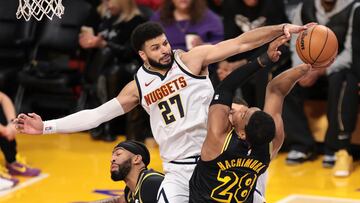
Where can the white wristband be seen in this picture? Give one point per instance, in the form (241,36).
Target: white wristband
(49,127)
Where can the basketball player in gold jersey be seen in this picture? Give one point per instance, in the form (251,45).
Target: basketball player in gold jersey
(240,140)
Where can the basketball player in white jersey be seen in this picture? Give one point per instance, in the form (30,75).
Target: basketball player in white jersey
(174,88)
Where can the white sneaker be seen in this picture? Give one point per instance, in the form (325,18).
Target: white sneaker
(6,184)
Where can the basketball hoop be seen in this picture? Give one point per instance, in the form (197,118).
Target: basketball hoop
(39,8)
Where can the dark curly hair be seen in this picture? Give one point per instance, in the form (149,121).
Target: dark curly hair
(145,32)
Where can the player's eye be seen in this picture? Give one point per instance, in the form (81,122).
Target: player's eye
(154,48)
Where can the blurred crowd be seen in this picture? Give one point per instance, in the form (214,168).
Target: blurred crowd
(84,59)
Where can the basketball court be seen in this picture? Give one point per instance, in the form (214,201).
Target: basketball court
(76,169)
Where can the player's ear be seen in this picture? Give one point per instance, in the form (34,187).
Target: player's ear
(142,55)
(137,159)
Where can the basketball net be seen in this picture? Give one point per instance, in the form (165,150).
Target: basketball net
(39,8)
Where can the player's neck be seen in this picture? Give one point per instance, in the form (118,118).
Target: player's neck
(131,179)
(155,69)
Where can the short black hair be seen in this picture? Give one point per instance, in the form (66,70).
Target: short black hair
(145,32)
(260,129)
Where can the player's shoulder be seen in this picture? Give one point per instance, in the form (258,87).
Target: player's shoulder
(152,174)
(178,52)
(151,178)
(150,184)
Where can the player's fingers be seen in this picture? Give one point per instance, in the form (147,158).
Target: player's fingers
(15,121)
(36,116)
(20,122)
(287,32)
(33,115)
(22,115)
(279,41)
(19,126)
(309,25)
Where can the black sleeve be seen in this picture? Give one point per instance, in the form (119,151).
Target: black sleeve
(150,187)
(356,42)
(224,92)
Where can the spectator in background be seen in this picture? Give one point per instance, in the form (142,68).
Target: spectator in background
(153,4)
(341,16)
(15,165)
(190,19)
(113,62)
(240,16)
(115,32)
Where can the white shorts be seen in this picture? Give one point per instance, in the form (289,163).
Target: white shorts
(175,186)
(259,193)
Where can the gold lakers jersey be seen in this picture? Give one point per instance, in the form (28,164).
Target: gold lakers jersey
(232,176)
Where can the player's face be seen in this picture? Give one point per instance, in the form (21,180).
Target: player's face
(241,115)
(157,53)
(120,164)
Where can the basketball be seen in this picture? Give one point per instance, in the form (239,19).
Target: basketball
(317,46)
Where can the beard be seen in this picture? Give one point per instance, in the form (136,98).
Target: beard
(160,66)
(122,171)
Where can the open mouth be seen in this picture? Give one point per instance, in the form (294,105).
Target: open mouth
(166,58)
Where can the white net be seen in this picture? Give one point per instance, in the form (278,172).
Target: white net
(39,8)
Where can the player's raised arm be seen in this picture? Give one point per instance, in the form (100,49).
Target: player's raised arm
(83,120)
(276,91)
(218,117)
(204,55)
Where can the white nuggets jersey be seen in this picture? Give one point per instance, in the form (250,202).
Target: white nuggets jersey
(178,105)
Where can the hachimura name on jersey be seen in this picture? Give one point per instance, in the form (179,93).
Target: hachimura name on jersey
(252,164)
(232,176)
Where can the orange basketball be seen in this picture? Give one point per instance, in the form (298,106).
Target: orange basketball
(317,46)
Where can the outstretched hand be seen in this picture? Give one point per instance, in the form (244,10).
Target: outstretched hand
(288,29)
(310,78)
(29,124)
(273,52)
